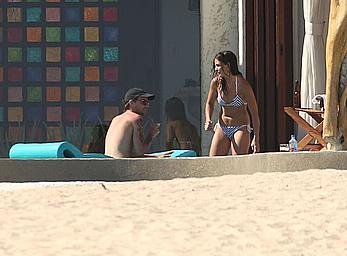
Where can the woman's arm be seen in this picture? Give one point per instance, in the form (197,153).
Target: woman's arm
(209,107)
(253,110)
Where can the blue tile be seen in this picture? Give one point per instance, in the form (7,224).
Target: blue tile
(111,94)
(92,114)
(34,74)
(33,114)
(72,14)
(110,34)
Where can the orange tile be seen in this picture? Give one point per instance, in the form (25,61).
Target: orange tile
(91,74)
(34,34)
(15,114)
(53,54)
(72,94)
(14,14)
(91,14)
(91,34)
(53,94)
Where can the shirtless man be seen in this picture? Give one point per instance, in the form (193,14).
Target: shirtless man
(125,136)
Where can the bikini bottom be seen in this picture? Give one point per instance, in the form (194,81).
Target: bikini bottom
(229,131)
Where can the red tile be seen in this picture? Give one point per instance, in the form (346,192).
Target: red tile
(92,93)
(110,14)
(72,114)
(72,54)
(111,73)
(14,35)
(53,14)
(14,74)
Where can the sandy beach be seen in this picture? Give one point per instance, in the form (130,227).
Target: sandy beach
(299,213)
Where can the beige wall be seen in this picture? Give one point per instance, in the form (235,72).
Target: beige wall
(219,31)
(132,169)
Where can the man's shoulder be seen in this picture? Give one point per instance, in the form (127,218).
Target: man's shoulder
(127,116)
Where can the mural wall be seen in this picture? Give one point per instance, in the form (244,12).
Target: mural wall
(59,70)
(66,64)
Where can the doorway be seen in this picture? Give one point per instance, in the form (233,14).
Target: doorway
(269,68)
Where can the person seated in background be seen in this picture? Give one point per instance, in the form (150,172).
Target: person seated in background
(125,136)
(179,128)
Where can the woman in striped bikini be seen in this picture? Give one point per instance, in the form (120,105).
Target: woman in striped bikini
(238,109)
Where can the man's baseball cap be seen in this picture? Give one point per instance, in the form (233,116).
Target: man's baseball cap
(134,93)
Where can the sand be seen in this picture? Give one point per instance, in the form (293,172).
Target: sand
(300,213)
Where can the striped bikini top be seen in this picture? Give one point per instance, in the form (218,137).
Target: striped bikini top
(237,101)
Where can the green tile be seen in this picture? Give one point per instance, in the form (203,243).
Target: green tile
(91,54)
(14,54)
(34,94)
(33,54)
(34,14)
(110,54)
(72,34)
(53,34)
(72,74)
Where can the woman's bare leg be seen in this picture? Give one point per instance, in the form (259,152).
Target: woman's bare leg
(240,143)
(220,144)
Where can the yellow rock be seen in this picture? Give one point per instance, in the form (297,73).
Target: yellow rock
(335,123)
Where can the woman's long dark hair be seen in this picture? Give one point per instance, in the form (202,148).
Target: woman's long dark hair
(175,109)
(226,57)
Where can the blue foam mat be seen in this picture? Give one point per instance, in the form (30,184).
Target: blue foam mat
(61,149)
(65,149)
(183,153)
(176,153)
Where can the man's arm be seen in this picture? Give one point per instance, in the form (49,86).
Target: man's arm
(140,144)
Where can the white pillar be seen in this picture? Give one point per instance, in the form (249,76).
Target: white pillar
(219,31)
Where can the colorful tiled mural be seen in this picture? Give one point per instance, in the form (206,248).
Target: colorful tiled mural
(59,68)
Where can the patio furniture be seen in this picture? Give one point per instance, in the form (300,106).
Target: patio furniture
(312,132)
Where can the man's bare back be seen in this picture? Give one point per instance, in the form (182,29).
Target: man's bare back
(119,139)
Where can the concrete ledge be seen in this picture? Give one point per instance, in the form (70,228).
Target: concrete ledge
(169,168)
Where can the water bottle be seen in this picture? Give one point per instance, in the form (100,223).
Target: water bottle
(293,144)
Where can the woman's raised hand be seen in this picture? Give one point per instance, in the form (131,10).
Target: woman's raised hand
(208,126)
